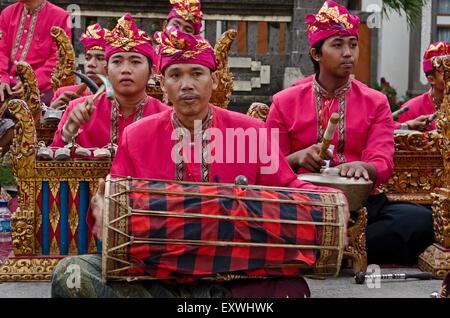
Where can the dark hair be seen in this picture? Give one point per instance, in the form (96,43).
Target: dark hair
(150,63)
(318,47)
(431,73)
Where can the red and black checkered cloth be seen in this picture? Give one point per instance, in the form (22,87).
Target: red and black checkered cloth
(190,262)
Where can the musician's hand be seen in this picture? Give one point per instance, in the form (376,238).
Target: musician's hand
(18,89)
(64,99)
(420,123)
(5,90)
(308,158)
(97,204)
(80,115)
(358,169)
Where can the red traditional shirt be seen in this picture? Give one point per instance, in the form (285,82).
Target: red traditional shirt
(25,36)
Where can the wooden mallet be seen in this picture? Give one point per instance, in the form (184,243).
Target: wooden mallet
(328,136)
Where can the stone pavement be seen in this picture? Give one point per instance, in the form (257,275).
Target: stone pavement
(341,287)
(344,286)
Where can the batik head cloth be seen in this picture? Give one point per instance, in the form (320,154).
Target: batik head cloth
(94,38)
(188,10)
(332,19)
(176,47)
(434,49)
(126,37)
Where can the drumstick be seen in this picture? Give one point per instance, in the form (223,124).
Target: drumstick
(100,91)
(90,83)
(108,87)
(397,114)
(431,118)
(361,277)
(328,136)
(81,89)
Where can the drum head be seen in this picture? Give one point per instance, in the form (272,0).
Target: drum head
(356,190)
(318,178)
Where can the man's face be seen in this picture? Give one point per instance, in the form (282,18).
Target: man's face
(339,56)
(437,80)
(95,64)
(189,87)
(182,25)
(128,72)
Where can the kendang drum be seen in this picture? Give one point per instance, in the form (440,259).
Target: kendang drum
(166,230)
(356,190)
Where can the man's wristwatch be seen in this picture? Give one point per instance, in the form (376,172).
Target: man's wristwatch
(404,126)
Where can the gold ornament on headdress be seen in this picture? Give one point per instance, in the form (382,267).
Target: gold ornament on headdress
(124,35)
(326,14)
(188,9)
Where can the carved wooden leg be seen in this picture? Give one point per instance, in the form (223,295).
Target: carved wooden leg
(23,238)
(356,250)
(436,258)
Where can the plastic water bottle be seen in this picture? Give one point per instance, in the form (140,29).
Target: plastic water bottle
(5,222)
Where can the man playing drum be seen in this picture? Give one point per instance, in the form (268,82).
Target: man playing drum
(148,150)
(129,56)
(364,144)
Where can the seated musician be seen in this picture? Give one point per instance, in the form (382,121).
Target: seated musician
(129,56)
(363,142)
(94,43)
(425,105)
(186,15)
(25,35)
(188,66)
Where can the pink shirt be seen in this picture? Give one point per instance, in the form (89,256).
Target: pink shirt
(307,79)
(418,106)
(140,152)
(146,148)
(71,88)
(26,37)
(96,133)
(366,134)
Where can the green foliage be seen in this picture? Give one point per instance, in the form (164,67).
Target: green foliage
(389,91)
(412,9)
(6,174)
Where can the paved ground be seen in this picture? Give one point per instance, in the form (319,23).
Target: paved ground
(344,286)
(25,290)
(341,287)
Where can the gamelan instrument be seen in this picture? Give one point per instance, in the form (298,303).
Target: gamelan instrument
(186,231)
(396,114)
(356,190)
(362,277)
